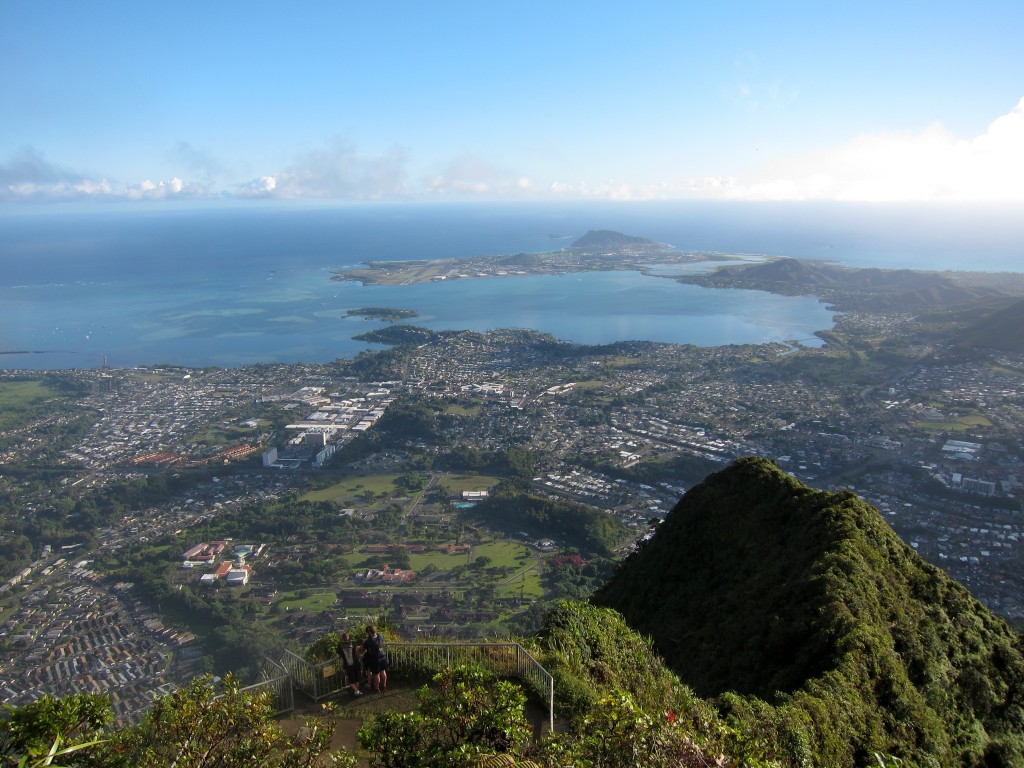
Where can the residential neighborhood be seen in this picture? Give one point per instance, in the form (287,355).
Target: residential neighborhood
(408,462)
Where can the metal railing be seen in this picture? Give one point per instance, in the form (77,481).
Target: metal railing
(500,659)
(278,683)
(317,681)
(424,660)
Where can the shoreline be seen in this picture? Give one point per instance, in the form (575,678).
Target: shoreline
(423,271)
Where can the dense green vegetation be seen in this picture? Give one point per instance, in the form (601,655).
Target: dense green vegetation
(795,628)
(386,314)
(620,707)
(199,726)
(71,516)
(818,629)
(400,335)
(22,398)
(49,402)
(511,508)
(618,703)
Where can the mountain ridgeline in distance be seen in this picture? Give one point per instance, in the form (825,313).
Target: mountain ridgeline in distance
(814,625)
(874,289)
(1000,329)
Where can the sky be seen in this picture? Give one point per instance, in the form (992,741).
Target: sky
(562,100)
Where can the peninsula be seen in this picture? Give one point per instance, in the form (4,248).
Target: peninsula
(596,251)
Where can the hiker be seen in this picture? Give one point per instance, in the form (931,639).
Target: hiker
(375,659)
(350,661)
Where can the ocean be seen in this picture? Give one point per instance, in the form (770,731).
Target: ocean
(229,286)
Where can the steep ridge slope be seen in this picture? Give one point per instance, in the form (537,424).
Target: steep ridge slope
(811,621)
(998,330)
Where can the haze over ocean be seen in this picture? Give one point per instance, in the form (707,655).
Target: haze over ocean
(246,284)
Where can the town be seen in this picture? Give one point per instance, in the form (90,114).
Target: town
(164,522)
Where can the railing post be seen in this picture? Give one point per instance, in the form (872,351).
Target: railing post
(551,704)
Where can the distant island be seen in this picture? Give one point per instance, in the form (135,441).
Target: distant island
(987,305)
(610,239)
(601,250)
(387,314)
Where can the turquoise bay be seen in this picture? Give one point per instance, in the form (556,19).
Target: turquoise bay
(602,307)
(233,286)
(301,316)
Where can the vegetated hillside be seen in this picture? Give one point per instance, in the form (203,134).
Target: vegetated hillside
(879,289)
(401,334)
(759,589)
(999,330)
(607,238)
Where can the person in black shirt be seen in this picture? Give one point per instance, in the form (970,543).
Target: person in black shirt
(350,660)
(375,659)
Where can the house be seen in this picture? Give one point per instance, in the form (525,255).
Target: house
(239,576)
(388,574)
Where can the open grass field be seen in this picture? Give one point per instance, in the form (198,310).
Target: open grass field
(970,421)
(525,584)
(156,376)
(222,435)
(440,560)
(459,483)
(588,384)
(352,487)
(454,409)
(317,601)
(503,553)
(16,397)
(1005,371)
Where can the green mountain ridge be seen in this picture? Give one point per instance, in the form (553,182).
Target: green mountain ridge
(998,330)
(816,626)
(765,624)
(876,289)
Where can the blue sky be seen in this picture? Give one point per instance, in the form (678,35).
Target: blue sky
(527,100)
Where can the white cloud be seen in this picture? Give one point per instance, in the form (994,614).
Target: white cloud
(335,172)
(30,177)
(930,165)
(470,175)
(927,165)
(165,190)
(262,187)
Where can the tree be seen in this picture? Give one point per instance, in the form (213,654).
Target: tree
(411,481)
(196,727)
(398,557)
(618,733)
(325,647)
(467,713)
(522,462)
(71,727)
